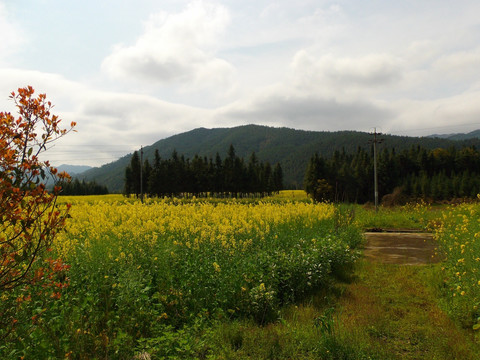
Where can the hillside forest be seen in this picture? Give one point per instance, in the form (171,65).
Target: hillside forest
(438,174)
(202,177)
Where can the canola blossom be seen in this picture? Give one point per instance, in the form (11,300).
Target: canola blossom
(243,258)
(232,225)
(458,235)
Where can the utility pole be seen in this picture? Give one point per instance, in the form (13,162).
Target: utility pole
(375,178)
(141,174)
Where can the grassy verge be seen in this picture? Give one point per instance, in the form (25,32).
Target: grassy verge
(308,330)
(383,312)
(411,216)
(396,308)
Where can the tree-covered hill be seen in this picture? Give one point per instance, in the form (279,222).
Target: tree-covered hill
(470,135)
(289,147)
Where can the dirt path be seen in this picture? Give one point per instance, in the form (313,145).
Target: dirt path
(407,248)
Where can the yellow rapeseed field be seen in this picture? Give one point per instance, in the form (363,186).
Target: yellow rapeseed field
(137,271)
(232,224)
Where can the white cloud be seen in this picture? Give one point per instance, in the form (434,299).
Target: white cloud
(11,35)
(305,112)
(334,76)
(459,113)
(325,93)
(459,65)
(336,93)
(176,49)
(111,120)
(140,115)
(64,93)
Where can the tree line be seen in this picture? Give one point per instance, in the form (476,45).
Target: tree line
(77,187)
(202,176)
(438,174)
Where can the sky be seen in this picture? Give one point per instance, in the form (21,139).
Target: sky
(133,72)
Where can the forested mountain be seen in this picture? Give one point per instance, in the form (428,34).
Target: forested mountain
(73,169)
(289,147)
(470,135)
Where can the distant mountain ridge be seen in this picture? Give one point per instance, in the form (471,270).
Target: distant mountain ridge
(291,148)
(459,136)
(73,169)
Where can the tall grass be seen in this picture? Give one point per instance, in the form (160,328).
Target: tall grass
(411,216)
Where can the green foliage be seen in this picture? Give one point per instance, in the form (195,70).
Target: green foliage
(189,342)
(326,322)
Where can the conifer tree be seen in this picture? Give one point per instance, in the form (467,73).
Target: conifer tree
(277,178)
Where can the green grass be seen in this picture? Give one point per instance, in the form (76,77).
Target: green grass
(381,312)
(396,307)
(308,330)
(411,216)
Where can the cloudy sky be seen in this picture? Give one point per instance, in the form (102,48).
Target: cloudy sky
(131,72)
